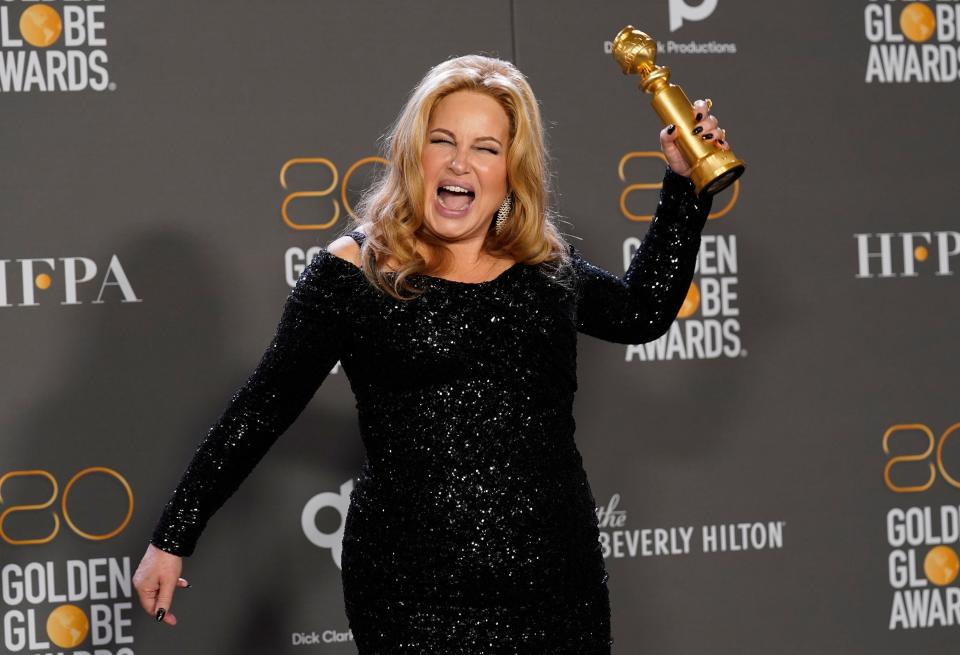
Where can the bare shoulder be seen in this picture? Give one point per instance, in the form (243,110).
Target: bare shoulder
(346,248)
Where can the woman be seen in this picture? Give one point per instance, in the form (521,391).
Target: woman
(454,310)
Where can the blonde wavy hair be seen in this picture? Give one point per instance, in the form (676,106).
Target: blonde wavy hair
(391,210)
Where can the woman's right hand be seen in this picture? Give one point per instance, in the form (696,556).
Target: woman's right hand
(705,125)
(155,581)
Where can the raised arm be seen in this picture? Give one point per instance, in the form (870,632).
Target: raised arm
(641,305)
(308,342)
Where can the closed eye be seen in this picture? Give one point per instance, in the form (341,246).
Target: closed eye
(441,141)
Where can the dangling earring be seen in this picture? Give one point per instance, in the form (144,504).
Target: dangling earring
(505,208)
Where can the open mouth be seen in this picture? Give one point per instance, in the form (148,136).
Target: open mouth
(455,198)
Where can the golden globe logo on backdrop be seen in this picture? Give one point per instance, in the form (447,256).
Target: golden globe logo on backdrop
(67,604)
(53,46)
(912,41)
(923,562)
(708,325)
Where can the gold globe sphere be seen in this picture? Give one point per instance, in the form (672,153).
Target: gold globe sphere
(635,51)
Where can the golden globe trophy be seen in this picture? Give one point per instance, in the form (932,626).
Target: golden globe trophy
(714,169)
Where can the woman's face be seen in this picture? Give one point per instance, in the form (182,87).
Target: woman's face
(464,164)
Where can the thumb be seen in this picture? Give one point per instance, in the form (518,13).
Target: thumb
(668,134)
(671,151)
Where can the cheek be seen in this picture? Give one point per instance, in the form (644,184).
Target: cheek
(427,164)
(428,171)
(496,177)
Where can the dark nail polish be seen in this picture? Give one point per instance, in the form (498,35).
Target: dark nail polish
(719,140)
(160,614)
(707,137)
(671,128)
(697,130)
(699,117)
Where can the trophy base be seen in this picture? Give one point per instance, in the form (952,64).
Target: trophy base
(716,172)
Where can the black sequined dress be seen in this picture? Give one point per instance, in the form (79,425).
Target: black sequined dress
(471,527)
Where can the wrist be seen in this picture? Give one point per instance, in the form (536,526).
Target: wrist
(675,181)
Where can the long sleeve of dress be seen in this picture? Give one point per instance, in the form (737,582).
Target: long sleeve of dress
(307,343)
(640,306)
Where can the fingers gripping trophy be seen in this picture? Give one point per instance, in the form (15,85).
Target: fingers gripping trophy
(713,166)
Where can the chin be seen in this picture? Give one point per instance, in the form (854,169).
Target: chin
(451,228)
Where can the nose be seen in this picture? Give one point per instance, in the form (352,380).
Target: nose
(457,167)
(457,164)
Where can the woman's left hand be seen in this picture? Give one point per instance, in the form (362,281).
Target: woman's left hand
(707,128)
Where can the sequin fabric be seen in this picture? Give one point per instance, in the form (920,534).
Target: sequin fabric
(472,528)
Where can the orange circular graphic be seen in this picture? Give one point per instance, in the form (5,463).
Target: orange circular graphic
(67,626)
(691,302)
(917,22)
(941,565)
(66,512)
(920,253)
(43,281)
(40,26)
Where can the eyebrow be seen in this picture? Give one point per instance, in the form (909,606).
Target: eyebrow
(482,138)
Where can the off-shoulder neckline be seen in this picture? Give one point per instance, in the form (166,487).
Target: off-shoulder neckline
(440,280)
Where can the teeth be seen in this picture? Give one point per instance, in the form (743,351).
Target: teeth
(455,189)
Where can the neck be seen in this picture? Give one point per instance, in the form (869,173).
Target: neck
(468,260)
(468,254)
